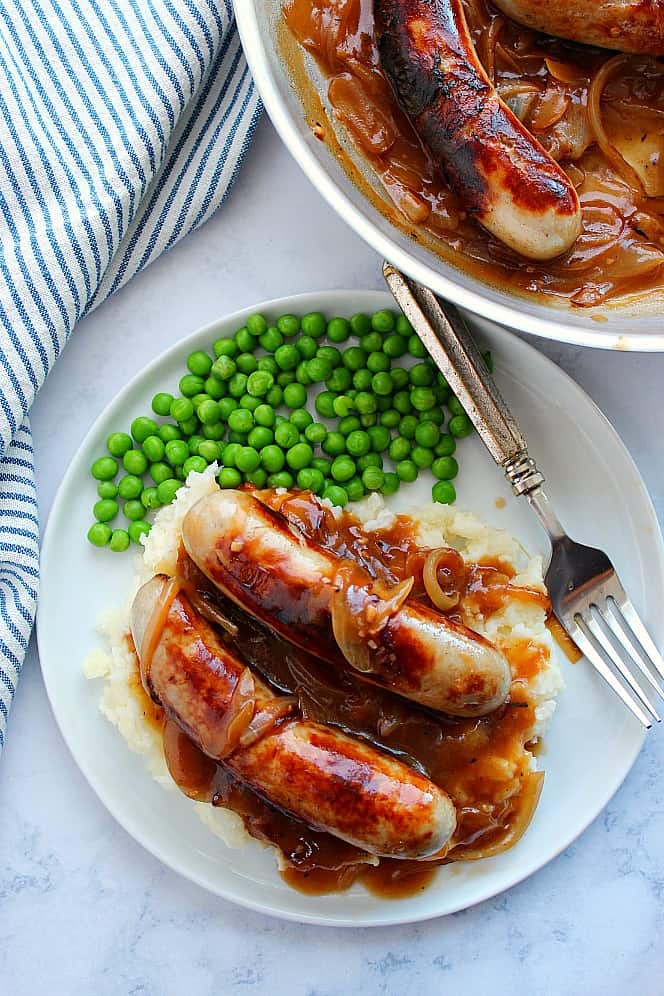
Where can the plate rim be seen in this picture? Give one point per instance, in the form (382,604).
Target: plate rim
(357,219)
(298,302)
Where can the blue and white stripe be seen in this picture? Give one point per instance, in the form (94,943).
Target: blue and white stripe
(122,126)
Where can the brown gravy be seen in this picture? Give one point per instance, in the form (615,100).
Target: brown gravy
(482,763)
(549,85)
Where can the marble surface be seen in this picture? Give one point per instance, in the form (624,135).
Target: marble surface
(84,909)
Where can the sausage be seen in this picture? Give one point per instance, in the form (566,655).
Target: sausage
(624,25)
(264,564)
(317,774)
(504,177)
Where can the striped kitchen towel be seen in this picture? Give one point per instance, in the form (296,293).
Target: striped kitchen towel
(122,126)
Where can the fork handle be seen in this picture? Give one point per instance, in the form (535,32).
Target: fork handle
(450,344)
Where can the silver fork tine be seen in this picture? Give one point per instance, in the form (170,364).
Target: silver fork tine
(602,668)
(599,636)
(628,612)
(620,628)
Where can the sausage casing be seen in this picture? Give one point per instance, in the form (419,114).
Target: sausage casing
(269,569)
(502,174)
(315,773)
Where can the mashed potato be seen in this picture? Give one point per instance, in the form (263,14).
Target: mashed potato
(437,525)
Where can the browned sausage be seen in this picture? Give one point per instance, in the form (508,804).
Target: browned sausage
(268,568)
(313,772)
(624,25)
(502,174)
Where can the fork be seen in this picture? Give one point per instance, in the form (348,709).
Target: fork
(586,594)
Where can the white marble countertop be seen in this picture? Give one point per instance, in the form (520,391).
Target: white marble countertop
(85,910)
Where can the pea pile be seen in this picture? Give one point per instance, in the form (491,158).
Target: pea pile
(244,407)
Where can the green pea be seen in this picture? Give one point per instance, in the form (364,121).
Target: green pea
(167,490)
(373,478)
(288,324)
(379,437)
(460,426)
(226,406)
(160,472)
(237,385)
(382,321)
(215,431)
(401,401)
(105,509)
(445,468)
(150,498)
(416,347)
(318,370)
(422,398)
(230,452)
(193,443)
(354,489)
(399,378)
(320,463)
(407,471)
(274,396)
(260,437)
(153,447)
(224,347)
(104,468)
(107,489)
(198,399)
(223,369)
(199,363)
(383,402)
(390,418)
(354,358)
(248,459)
(117,444)
(343,405)
(382,384)
(421,375)
(181,409)
(313,324)
(287,357)
(368,419)
(399,449)
(299,456)
(343,468)
(455,406)
(161,403)
(269,364)
(310,479)
(169,431)
(137,529)
(434,415)
(133,509)
(349,424)
(444,492)
(249,403)
(229,477)
(209,450)
(339,380)
(369,460)
(395,346)
(259,383)
(135,462)
(282,479)
(286,435)
(129,487)
(295,396)
(300,418)
(194,463)
(246,363)
(119,540)
(372,342)
(338,329)
(408,426)
(176,452)
(378,362)
(360,324)
(142,427)
(189,426)
(238,437)
(256,325)
(365,403)
(99,534)
(391,484)
(264,415)
(358,443)
(241,420)
(330,354)
(301,374)
(191,385)
(315,433)
(306,346)
(421,456)
(271,339)
(334,444)
(403,326)
(244,340)
(256,477)
(336,495)
(427,434)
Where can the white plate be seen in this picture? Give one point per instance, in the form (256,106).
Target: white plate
(592,742)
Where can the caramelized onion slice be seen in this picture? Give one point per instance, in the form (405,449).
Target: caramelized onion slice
(528,799)
(236,719)
(358,615)
(595,91)
(441,599)
(266,718)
